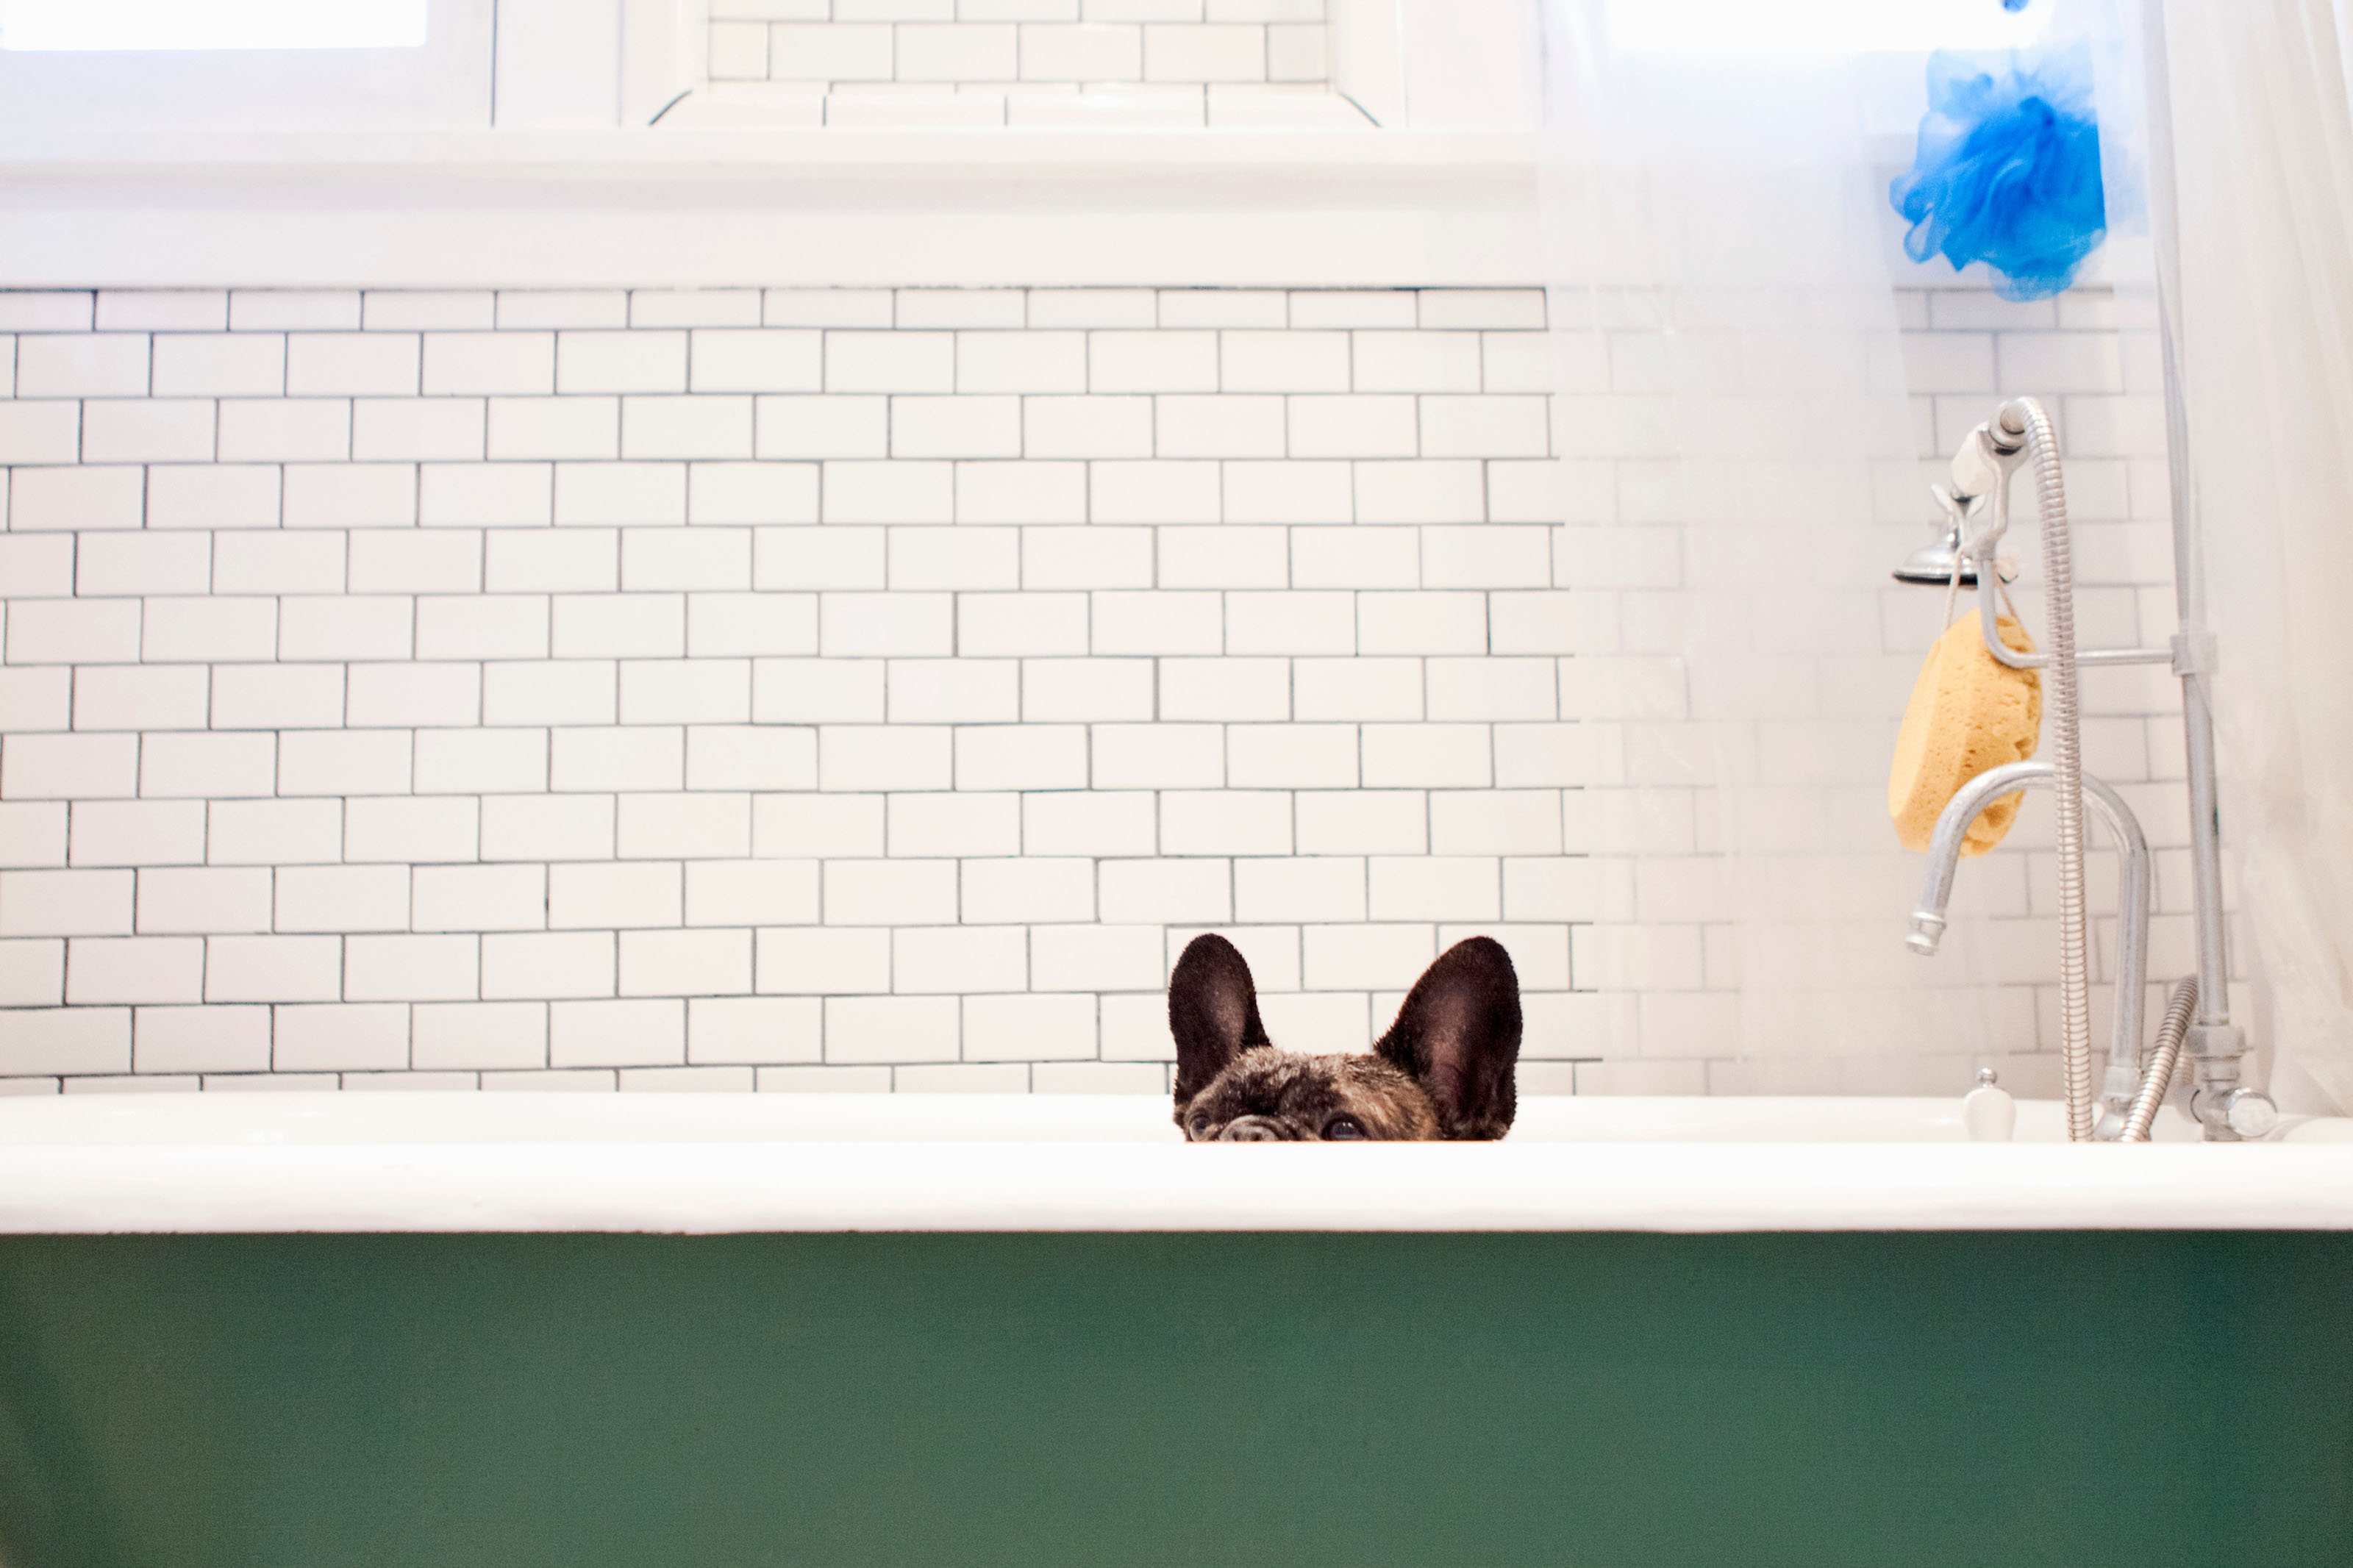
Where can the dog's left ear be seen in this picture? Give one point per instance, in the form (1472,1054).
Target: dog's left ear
(1459,1035)
(1212,1013)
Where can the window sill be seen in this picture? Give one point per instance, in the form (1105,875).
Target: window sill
(741,151)
(605,208)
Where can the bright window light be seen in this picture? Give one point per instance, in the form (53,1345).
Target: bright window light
(58,25)
(1820,27)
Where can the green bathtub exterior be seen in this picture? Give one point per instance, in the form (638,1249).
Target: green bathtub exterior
(1850,1401)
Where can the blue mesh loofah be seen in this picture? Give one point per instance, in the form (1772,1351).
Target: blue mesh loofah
(2007,172)
(2015,4)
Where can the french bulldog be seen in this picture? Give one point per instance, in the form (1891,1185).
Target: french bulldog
(1444,1070)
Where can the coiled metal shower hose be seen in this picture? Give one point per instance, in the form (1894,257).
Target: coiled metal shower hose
(2024,417)
(2158,1077)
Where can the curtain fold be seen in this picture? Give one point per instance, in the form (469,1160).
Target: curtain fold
(2262,134)
(1742,466)
(1745,469)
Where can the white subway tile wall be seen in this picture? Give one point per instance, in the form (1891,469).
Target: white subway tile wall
(858,689)
(973,63)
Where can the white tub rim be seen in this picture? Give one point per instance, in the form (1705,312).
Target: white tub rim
(257,1163)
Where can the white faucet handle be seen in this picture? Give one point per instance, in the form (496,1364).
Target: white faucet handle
(1987,1112)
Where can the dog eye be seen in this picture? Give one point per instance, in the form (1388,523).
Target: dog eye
(1200,1124)
(1343,1127)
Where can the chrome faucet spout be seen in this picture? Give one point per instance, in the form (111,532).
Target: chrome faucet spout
(2124,1077)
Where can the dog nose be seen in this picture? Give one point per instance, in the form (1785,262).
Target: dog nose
(1249,1129)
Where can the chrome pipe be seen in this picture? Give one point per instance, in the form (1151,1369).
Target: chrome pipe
(2217,1045)
(1928,922)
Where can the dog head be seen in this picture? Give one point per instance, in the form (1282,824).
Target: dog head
(1444,1070)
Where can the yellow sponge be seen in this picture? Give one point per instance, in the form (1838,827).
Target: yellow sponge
(1969,711)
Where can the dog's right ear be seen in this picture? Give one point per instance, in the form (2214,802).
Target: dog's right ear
(1459,1035)
(1213,1012)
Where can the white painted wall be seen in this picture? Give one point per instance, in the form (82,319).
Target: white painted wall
(1438,65)
(559,64)
(594,64)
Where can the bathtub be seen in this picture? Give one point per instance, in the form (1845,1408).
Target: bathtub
(737,1332)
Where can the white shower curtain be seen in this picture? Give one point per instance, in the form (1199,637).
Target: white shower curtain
(1744,472)
(2264,147)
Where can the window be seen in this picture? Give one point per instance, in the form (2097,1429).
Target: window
(169,66)
(92,25)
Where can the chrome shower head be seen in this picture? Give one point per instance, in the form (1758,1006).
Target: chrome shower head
(1933,564)
(1980,468)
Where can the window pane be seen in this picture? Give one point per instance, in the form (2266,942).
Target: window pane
(56,25)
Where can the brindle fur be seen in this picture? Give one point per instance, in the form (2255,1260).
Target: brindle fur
(1444,1070)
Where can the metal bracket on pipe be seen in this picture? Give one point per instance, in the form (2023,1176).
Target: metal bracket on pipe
(2215,1042)
(2193,653)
